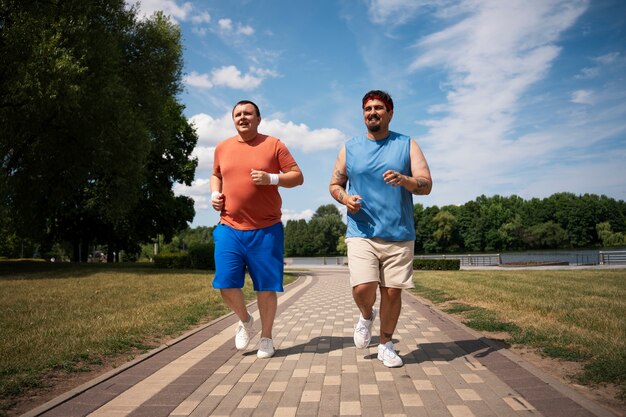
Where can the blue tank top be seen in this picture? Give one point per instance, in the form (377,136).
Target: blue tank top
(386,211)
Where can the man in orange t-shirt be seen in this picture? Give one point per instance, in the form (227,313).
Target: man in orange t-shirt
(247,170)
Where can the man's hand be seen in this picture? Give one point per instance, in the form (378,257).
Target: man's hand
(353,203)
(260,177)
(217,200)
(393,178)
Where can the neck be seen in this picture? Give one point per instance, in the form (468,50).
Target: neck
(247,137)
(381,134)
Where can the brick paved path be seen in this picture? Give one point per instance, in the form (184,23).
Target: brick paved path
(449,370)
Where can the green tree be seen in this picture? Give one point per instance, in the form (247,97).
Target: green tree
(326,210)
(608,237)
(446,231)
(548,235)
(342,247)
(325,228)
(93,137)
(470,227)
(512,234)
(425,241)
(297,239)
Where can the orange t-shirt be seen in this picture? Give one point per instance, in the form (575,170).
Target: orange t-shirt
(248,206)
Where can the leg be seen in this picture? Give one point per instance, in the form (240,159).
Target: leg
(365,296)
(268,304)
(235,300)
(390,306)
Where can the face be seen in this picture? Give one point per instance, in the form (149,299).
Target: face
(245,119)
(376,116)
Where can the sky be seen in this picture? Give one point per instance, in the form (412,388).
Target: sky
(515,97)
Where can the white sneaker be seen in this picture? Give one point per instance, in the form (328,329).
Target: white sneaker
(266,348)
(363,330)
(242,336)
(388,355)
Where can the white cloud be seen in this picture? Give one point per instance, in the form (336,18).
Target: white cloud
(203,17)
(588,72)
(493,55)
(169,7)
(205,157)
(200,31)
(607,58)
(393,11)
(300,136)
(582,97)
(225,24)
(182,12)
(602,61)
(198,80)
(229,76)
(296,215)
(245,30)
(200,191)
(211,131)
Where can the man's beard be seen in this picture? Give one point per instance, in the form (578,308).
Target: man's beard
(374,128)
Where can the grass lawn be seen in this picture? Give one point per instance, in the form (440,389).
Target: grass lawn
(70,316)
(574,315)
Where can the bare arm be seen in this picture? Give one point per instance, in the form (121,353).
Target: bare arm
(420,181)
(338,182)
(291,178)
(217,200)
(288,179)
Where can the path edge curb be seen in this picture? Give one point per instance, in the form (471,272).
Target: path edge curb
(592,406)
(68,395)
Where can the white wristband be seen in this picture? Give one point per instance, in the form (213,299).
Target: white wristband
(215,194)
(273,179)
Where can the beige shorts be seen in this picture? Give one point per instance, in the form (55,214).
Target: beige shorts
(378,260)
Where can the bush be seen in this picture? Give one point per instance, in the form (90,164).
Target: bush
(201,256)
(174,260)
(437,264)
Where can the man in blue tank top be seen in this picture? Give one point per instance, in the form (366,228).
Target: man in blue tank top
(383,170)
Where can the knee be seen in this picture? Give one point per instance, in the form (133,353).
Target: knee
(392,292)
(364,291)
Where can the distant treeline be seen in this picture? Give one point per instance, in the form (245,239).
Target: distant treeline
(561,221)
(486,224)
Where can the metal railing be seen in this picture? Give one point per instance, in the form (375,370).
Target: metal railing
(612,257)
(469,260)
(317,260)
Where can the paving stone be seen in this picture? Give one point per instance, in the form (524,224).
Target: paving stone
(317,371)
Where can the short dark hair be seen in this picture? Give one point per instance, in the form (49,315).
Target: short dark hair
(258,113)
(380,95)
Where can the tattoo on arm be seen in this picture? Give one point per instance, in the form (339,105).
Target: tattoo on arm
(338,193)
(421,183)
(339,176)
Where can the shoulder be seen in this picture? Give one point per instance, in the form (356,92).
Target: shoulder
(355,139)
(226,142)
(399,136)
(269,140)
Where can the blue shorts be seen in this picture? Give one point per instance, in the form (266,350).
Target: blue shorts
(261,251)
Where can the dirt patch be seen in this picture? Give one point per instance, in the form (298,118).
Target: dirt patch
(58,382)
(565,371)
